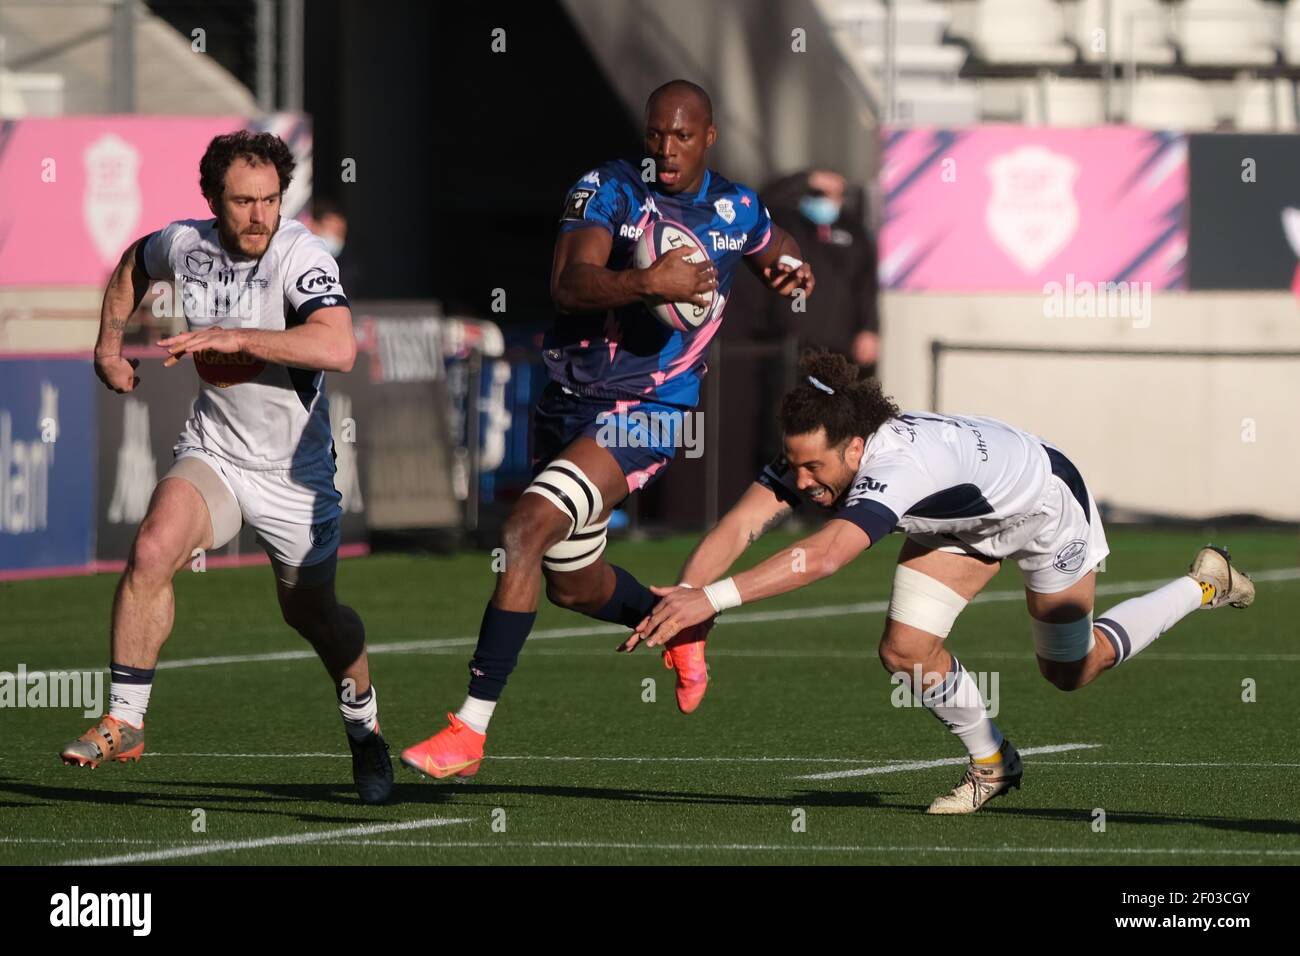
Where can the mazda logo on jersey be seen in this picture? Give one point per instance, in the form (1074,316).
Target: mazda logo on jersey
(315,281)
(198,262)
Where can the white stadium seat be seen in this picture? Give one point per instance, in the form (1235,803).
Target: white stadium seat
(933,104)
(1021,31)
(1227,32)
(1291,33)
(1139,28)
(1266,106)
(1069,102)
(1171,102)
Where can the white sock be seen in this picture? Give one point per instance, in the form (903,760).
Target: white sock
(128,702)
(476,714)
(361,717)
(1133,625)
(957,702)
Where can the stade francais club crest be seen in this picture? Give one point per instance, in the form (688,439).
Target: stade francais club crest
(1032,213)
(111,203)
(726,210)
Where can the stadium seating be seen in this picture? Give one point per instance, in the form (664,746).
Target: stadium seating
(1139,31)
(1174,64)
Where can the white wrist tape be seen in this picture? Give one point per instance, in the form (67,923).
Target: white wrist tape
(723,594)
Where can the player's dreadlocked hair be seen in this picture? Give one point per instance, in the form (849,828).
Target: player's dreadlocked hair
(253,148)
(830,395)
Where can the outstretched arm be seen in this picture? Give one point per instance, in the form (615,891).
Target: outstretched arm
(757,512)
(324,341)
(818,556)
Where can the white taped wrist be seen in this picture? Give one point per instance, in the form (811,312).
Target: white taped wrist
(723,594)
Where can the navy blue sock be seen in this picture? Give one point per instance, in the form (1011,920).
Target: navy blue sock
(125,674)
(630,602)
(501,637)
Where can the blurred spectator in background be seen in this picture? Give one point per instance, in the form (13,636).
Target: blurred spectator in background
(328,221)
(827,217)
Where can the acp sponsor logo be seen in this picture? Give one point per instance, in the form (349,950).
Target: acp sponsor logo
(316,281)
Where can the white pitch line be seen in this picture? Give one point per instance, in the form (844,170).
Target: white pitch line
(795,848)
(745,617)
(927,764)
(1154,763)
(543,757)
(293,839)
(814,654)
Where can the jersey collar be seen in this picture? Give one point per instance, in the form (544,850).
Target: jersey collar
(701,194)
(704,188)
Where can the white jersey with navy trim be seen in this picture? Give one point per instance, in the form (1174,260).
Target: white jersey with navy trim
(965,478)
(257,414)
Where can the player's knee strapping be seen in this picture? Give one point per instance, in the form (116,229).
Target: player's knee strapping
(920,601)
(564,485)
(1065,643)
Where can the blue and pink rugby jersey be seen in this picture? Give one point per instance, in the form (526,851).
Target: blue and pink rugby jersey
(625,354)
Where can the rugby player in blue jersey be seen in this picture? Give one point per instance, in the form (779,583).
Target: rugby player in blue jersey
(621,384)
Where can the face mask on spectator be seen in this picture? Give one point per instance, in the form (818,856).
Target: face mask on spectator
(820,210)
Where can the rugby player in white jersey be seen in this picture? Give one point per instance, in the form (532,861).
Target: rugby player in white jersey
(267,318)
(969,493)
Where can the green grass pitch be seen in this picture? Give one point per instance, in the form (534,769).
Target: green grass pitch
(583,769)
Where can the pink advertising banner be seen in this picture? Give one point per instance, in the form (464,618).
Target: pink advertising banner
(76,191)
(993,209)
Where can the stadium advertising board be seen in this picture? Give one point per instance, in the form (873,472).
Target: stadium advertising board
(1245,212)
(47,464)
(1010,209)
(106,181)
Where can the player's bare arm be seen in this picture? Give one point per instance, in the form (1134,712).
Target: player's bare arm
(756,513)
(581,283)
(122,296)
(324,341)
(779,276)
(815,557)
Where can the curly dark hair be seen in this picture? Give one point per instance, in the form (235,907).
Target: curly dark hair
(853,406)
(253,148)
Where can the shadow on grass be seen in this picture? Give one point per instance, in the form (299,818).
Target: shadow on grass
(293,800)
(1003,810)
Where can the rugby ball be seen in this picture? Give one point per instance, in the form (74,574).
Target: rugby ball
(658,239)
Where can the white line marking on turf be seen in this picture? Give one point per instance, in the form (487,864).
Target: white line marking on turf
(888,765)
(795,848)
(1153,763)
(292,839)
(595,759)
(926,764)
(746,617)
